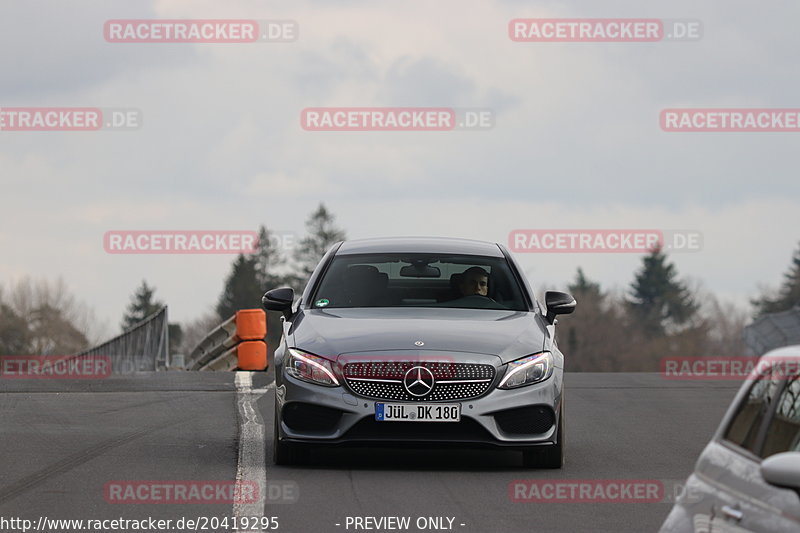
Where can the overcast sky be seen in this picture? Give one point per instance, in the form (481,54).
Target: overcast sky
(576,141)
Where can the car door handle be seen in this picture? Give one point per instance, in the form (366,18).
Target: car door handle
(733,513)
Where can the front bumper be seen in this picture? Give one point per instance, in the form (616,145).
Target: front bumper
(517,418)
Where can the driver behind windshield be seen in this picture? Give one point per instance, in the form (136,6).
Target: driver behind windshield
(474,280)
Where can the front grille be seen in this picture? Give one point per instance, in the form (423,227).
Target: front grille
(531,420)
(452,381)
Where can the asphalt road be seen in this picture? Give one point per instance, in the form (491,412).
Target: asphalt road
(63,443)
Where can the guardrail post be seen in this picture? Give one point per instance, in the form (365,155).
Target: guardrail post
(238,343)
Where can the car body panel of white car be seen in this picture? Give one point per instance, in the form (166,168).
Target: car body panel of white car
(748,477)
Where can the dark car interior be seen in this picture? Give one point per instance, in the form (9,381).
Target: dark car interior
(391,282)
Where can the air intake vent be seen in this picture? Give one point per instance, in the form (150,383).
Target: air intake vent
(532,420)
(308,417)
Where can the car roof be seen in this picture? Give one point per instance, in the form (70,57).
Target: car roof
(436,245)
(792,351)
(775,357)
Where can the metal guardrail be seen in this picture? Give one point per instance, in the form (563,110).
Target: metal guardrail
(773,331)
(237,343)
(143,347)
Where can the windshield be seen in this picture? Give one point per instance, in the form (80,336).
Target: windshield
(419,280)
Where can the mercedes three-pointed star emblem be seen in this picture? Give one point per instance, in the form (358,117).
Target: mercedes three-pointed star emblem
(419,381)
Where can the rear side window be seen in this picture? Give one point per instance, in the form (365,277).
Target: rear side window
(744,428)
(783,434)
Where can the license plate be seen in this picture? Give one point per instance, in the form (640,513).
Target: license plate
(409,412)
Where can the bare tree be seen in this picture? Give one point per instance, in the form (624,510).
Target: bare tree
(726,331)
(56,322)
(194,331)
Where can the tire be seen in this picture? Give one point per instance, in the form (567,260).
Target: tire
(286,453)
(549,457)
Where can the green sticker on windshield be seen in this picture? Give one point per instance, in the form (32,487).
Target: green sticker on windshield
(322,302)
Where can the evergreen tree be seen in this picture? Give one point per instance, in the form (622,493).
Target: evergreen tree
(593,333)
(657,299)
(583,287)
(322,234)
(142,305)
(242,290)
(787,296)
(175,337)
(580,288)
(268,260)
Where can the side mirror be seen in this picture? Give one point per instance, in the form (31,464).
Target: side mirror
(278,300)
(558,303)
(782,469)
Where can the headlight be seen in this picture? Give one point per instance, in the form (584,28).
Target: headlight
(528,370)
(311,368)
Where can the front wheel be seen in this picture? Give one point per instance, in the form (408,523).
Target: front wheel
(285,453)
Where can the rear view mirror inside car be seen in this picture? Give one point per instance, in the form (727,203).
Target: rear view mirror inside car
(420,271)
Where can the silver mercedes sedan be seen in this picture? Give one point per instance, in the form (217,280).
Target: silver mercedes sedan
(419,341)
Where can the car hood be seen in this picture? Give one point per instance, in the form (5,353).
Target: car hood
(331,333)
